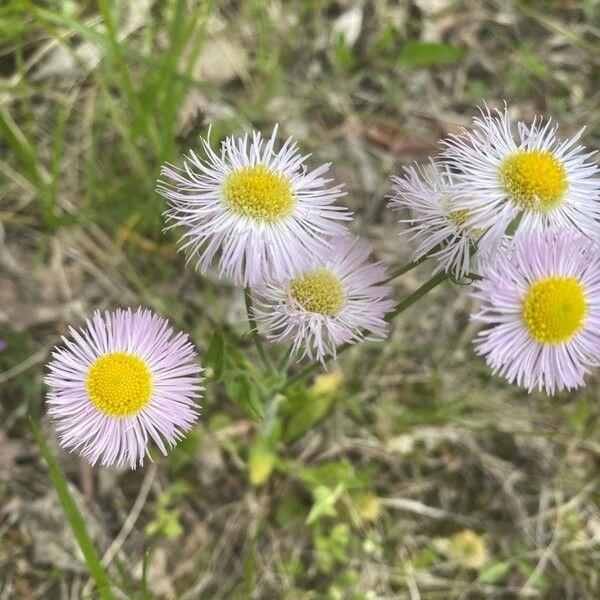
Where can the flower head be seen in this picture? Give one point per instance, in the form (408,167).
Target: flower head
(262,210)
(435,223)
(533,177)
(123,378)
(336,300)
(542,308)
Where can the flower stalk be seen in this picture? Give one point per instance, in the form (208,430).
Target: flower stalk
(254,331)
(400,307)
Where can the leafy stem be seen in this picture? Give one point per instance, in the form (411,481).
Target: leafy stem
(399,308)
(410,266)
(74,517)
(254,330)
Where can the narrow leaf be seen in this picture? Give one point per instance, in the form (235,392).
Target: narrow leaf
(74,517)
(429,54)
(215,355)
(244,394)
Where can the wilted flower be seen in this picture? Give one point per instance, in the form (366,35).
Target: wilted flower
(335,301)
(439,227)
(119,381)
(542,308)
(262,210)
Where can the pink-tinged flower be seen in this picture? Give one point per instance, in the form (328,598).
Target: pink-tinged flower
(435,223)
(260,210)
(119,381)
(530,179)
(541,304)
(336,300)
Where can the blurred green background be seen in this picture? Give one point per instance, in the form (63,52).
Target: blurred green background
(407,471)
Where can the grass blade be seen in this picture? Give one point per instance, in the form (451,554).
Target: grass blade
(74,517)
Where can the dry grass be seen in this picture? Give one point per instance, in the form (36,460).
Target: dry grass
(425,443)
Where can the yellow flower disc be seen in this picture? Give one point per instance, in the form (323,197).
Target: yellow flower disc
(119,384)
(320,292)
(554,309)
(258,193)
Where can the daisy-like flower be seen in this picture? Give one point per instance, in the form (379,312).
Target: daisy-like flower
(542,306)
(336,300)
(545,182)
(262,210)
(121,380)
(435,223)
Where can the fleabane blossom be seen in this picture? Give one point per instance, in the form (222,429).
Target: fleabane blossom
(259,212)
(541,308)
(531,180)
(339,299)
(435,224)
(123,379)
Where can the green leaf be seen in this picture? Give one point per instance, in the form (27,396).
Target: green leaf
(215,355)
(249,567)
(429,54)
(289,509)
(243,392)
(325,501)
(331,545)
(343,54)
(184,452)
(167,520)
(333,473)
(537,579)
(305,407)
(74,517)
(580,414)
(495,573)
(261,460)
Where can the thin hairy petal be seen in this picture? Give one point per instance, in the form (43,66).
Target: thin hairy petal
(252,239)
(530,357)
(168,409)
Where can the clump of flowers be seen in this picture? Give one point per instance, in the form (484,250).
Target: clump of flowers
(337,300)
(261,210)
(515,209)
(533,176)
(520,209)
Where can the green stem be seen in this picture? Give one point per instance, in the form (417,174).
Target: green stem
(407,267)
(254,330)
(400,307)
(74,517)
(416,295)
(282,365)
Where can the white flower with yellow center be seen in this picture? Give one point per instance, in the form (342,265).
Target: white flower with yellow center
(435,223)
(541,304)
(532,180)
(260,210)
(121,380)
(336,300)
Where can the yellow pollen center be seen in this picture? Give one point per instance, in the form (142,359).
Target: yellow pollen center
(534,179)
(459,217)
(258,193)
(319,292)
(119,384)
(554,309)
